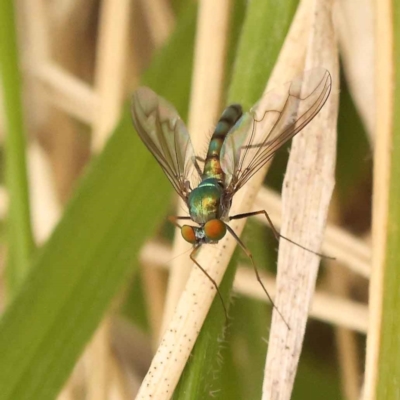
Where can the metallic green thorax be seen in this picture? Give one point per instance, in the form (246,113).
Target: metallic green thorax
(206,202)
(212,166)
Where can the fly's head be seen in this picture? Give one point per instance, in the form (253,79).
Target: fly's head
(210,232)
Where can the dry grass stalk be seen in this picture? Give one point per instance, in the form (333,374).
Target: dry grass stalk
(160,19)
(110,67)
(356,40)
(205,102)
(346,342)
(154,284)
(67,92)
(382,158)
(306,195)
(46,209)
(339,281)
(110,62)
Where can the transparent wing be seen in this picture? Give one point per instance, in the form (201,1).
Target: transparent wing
(279,116)
(165,135)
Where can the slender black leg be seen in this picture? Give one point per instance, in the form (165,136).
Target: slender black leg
(276,233)
(248,253)
(192,254)
(198,169)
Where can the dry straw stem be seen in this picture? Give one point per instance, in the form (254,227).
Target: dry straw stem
(105,380)
(109,86)
(356,41)
(3,202)
(110,67)
(98,360)
(160,19)
(306,195)
(35,51)
(67,92)
(205,102)
(382,164)
(154,291)
(48,80)
(345,339)
(339,280)
(45,206)
(349,362)
(325,306)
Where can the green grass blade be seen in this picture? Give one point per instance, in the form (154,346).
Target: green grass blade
(388,386)
(117,207)
(20,239)
(200,376)
(80,269)
(265,28)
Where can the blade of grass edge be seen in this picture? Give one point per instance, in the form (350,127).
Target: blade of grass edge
(79,270)
(390,339)
(85,261)
(383,342)
(20,240)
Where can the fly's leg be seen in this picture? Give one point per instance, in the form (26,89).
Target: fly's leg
(276,233)
(248,253)
(196,164)
(192,254)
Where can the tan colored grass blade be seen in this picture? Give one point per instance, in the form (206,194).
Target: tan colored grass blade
(154,285)
(45,205)
(385,64)
(184,326)
(110,67)
(346,340)
(205,103)
(307,190)
(67,92)
(109,86)
(355,27)
(160,19)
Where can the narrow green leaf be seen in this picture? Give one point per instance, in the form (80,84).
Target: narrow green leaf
(267,23)
(20,239)
(200,376)
(389,357)
(117,207)
(80,269)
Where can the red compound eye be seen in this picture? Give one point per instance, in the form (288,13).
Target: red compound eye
(214,230)
(188,233)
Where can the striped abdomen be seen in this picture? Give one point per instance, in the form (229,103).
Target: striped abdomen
(212,166)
